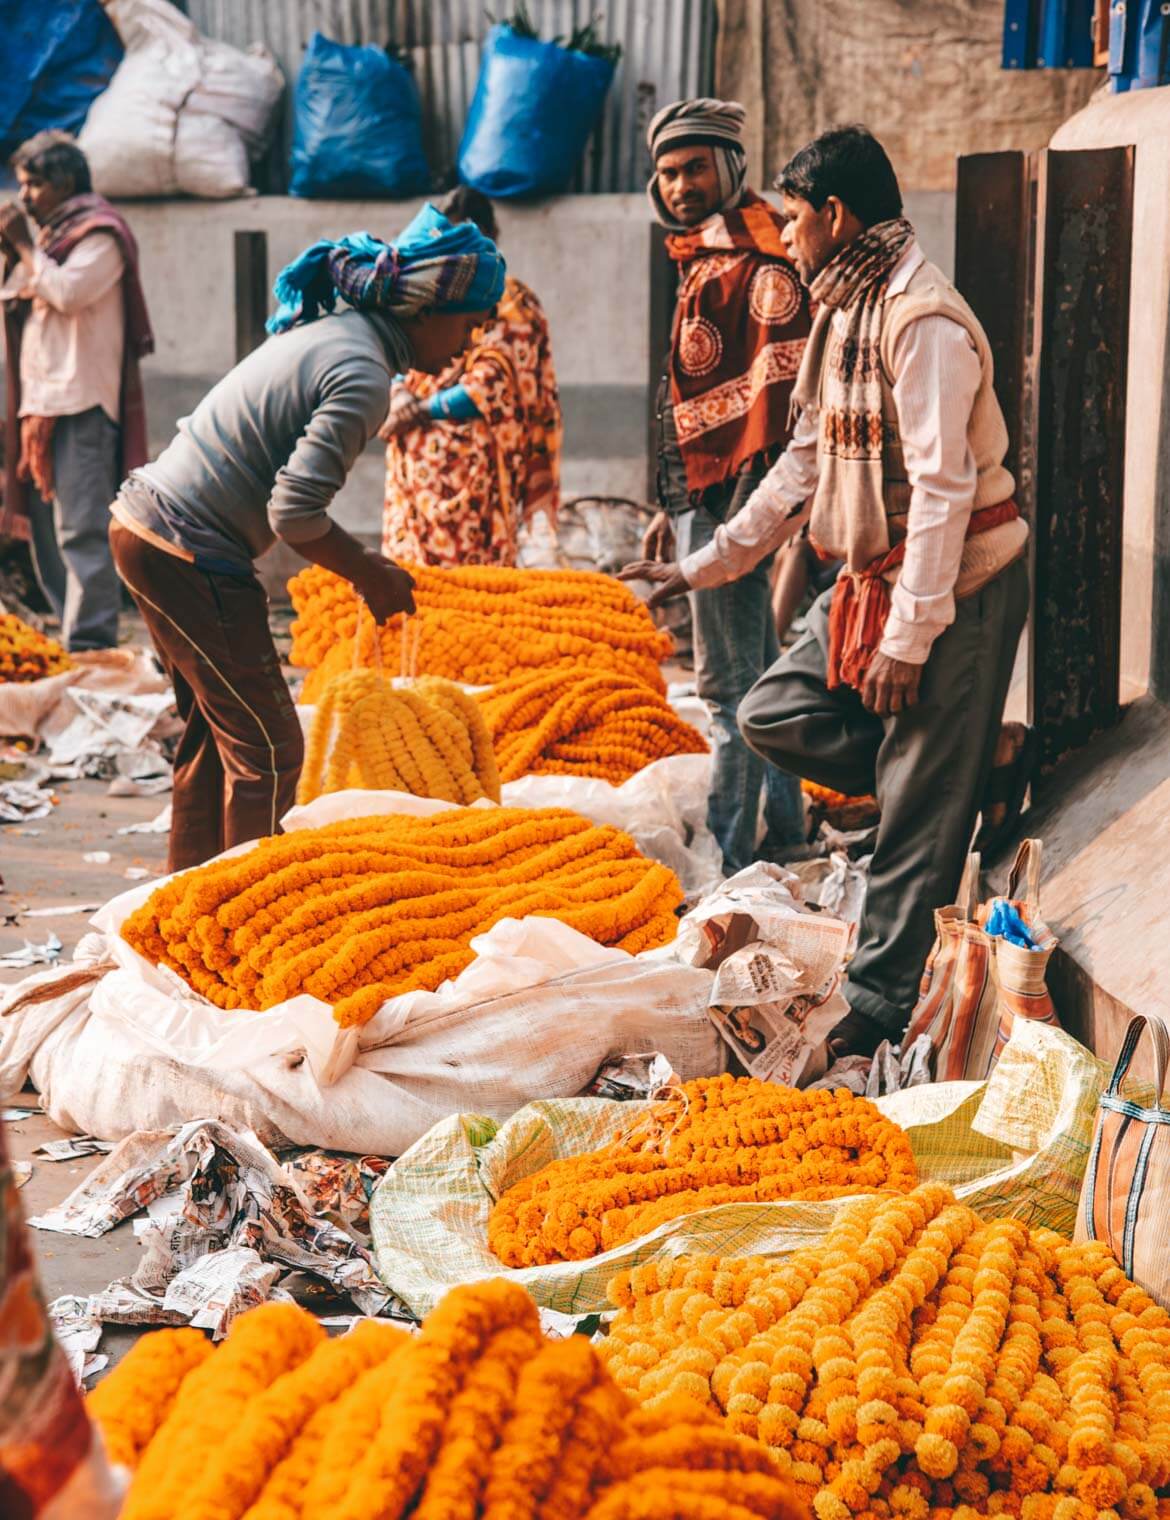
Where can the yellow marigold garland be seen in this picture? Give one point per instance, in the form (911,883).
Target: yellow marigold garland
(919,1363)
(25,654)
(720,1140)
(430,740)
(131,1407)
(578,723)
(481,624)
(360,910)
(478,1417)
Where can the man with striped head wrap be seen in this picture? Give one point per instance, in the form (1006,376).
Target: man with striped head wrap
(260,460)
(740,326)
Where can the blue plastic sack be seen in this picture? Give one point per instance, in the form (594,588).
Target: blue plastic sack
(1048,34)
(357,126)
(1004,922)
(1139,45)
(58,55)
(535,105)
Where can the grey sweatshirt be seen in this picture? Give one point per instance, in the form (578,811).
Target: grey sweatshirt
(267,449)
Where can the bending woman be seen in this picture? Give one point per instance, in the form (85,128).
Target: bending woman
(261,458)
(474,452)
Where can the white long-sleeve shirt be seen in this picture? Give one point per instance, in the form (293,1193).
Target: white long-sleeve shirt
(936,373)
(71,348)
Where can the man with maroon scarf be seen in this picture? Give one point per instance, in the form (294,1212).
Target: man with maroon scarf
(740,326)
(75,327)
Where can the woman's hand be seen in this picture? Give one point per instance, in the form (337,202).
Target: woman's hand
(658,541)
(668,578)
(385,588)
(406,413)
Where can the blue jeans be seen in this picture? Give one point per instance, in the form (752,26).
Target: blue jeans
(735,643)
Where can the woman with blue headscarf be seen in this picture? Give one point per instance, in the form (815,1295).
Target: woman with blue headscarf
(260,459)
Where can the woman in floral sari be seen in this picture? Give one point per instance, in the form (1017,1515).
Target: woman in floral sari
(474,453)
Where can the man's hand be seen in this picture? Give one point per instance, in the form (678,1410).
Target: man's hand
(890,686)
(668,578)
(406,412)
(14,229)
(385,588)
(658,540)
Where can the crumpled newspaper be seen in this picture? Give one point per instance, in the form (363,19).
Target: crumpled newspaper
(45,953)
(888,1070)
(778,969)
(22,801)
(110,732)
(624,1078)
(338,1185)
(224,1218)
(78,1331)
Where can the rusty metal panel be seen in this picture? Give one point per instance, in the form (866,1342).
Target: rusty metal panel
(1085,227)
(668,51)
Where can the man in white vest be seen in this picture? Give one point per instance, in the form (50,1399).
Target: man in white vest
(896,465)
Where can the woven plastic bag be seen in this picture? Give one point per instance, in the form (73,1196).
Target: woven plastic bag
(429,1214)
(975,986)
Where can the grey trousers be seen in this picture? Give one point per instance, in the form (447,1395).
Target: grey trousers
(70,534)
(927,766)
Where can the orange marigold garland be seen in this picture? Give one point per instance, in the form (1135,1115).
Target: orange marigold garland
(720,1140)
(430,740)
(477,1417)
(132,1402)
(481,624)
(25,654)
(576,723)
(358,911)
(918,1363)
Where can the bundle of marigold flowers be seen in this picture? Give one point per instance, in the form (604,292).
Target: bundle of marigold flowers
(843,811)
(478,1416)
(920,1362)
(429,739)
(25,654)
(358,911)
(480,625)
(717,1140)
(573,723)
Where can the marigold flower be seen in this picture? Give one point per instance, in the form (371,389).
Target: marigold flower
(25,654)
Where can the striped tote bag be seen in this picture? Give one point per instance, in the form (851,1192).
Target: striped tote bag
(1125,1200)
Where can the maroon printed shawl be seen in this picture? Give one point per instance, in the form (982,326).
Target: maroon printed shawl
(740,327)
(73,220)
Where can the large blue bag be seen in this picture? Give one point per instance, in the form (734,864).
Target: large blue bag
(535,105)
(58,55)
(358,124)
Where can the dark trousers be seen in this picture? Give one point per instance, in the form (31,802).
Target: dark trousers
(927,766)
(240,754)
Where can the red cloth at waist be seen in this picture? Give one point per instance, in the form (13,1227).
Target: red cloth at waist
(861,603)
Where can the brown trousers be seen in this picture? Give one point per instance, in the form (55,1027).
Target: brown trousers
(240,755)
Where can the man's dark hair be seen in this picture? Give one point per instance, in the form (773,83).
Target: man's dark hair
(55,158)
(851,164)
(463,204)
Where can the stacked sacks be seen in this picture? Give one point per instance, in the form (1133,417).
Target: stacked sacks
(476,1416)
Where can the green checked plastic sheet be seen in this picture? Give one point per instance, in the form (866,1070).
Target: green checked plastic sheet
(1016,1144)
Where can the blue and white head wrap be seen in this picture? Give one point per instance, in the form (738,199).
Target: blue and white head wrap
(449,266)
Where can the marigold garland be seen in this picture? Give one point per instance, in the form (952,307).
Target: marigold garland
(719,1140)
(577,723)
(919,1363)
(480,625)
(25,654)
(429,739)
(131,1407)
(358,911)
(478,1417)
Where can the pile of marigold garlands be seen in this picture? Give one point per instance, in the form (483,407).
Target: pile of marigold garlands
(919,1363)
(574,723)
(478,1415)
(480,625)
(716,1140)
(429,739)
(25,654)
(358,911)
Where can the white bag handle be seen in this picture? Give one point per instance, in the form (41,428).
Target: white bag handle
(968,898)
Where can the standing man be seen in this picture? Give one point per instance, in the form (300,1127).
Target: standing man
(899,684)
(75,326)
(261,458)
(740,326)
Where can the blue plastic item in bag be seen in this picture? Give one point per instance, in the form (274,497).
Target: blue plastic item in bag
(358,124)
(58,55)
(1004,922)
(1139,44)
(535,105)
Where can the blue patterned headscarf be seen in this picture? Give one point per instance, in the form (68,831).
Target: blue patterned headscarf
(450,266)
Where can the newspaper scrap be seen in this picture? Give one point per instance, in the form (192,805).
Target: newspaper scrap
(158,825)
(559,1326)
(46,953)
(21,1172)
(778,965)
(625,1078)
(137,873)
(97,857)
(103,726)
(851,1072)
(61,910)
(22,801)
(78,1331)
(73,1148)
(339,1186)
(219,1198)
(140,786)
(893,1069)
(16,1115)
